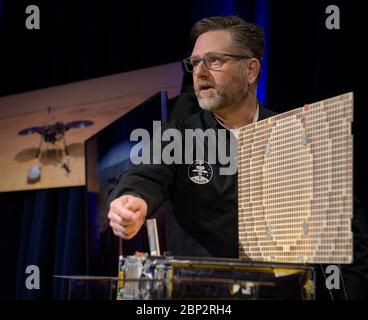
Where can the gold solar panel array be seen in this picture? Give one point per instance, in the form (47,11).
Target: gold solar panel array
(295,185)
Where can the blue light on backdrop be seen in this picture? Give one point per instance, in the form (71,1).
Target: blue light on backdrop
(263,19)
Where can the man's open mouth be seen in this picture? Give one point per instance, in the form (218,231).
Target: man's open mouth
(205,87)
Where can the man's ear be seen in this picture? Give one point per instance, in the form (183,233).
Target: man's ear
(254,67)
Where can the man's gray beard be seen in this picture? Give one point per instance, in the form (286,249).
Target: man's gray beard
(224,97)
(211,103)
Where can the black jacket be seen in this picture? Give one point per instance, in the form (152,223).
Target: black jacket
(204,220)
(204,217)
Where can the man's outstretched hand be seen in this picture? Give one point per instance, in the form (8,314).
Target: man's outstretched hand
(127,215)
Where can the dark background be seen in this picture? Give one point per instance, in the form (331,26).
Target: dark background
(305,62)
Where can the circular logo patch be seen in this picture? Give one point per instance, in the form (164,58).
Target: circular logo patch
(200,172)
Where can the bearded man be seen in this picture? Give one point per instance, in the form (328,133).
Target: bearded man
(225,63)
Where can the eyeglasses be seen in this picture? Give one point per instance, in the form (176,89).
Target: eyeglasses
(212,60)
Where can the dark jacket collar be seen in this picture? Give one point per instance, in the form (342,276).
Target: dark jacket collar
(211,121)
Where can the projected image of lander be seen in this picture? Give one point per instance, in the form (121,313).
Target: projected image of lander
(295,185)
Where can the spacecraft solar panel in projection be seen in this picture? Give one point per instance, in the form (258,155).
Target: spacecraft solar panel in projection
(295,185)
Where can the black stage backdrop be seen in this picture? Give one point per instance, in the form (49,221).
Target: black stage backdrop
(305,62)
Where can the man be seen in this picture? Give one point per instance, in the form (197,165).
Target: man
(225,63)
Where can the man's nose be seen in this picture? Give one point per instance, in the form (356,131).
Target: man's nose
(201,70)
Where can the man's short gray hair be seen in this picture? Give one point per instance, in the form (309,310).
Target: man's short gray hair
(246,35)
